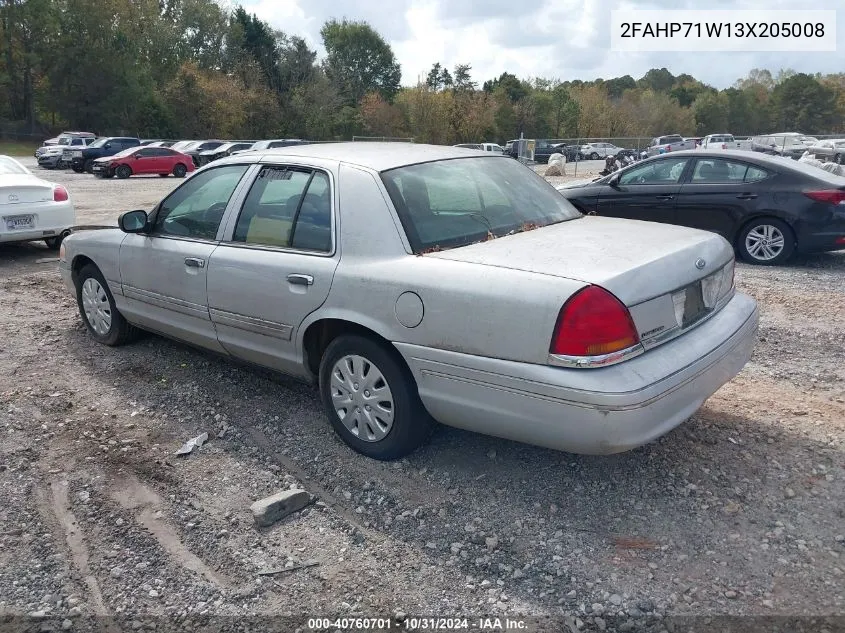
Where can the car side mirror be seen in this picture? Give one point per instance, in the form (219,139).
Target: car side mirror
(133,221)
(614,181)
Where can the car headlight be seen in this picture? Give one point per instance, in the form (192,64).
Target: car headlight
(62,253)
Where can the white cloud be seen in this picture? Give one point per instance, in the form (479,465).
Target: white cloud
(565,39)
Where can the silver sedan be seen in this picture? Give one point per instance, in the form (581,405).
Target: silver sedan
(415,283)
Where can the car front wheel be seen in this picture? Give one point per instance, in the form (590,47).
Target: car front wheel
(123,171)
(96,306)
(371,398)
(594,156)
(766,241)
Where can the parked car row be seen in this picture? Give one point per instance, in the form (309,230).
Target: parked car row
(125,156)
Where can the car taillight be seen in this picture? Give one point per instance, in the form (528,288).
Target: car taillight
(668,147)
(593,323)
(60,194)
(831,196)
(724,146)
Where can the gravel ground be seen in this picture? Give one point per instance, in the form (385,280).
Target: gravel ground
(738,512)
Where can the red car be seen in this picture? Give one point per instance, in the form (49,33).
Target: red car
(144,160)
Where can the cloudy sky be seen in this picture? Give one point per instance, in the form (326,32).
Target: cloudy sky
(565,39)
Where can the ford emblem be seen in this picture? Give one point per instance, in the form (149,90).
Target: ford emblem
(700,263)
(13,198)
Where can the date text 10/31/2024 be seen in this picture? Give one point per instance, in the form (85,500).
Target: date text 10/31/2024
(418,624)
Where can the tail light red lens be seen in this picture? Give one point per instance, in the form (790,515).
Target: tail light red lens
(831,196)
(60,194)
(592,323)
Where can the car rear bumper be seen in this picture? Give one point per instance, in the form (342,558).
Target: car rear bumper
(591,411)
(49,220)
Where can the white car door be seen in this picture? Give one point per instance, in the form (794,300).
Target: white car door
(163,272)
(275,264)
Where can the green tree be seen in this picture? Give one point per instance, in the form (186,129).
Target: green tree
(359,61)
(712,113)
(801,103)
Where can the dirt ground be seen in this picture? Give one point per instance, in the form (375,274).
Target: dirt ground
(738,512)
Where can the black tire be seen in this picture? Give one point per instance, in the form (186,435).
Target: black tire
(411,422)
(594,156)
(838,159)
(53,243)
(78,168)
(108,174)
(757,226)
(179,170)
(120,330)
(123,171)
(163,175)
(89,166)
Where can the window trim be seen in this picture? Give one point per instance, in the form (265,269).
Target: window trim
(226,239)
(224,221)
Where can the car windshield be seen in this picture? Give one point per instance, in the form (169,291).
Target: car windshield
(451,203)
(11,166)
(64,140)
(99,142)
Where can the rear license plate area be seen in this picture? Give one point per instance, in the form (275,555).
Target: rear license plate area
(689,305)
(20,222)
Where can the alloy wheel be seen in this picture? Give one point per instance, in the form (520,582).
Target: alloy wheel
(765,242)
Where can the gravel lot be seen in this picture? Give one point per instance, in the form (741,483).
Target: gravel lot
(738,512)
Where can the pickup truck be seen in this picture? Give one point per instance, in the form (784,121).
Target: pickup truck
(83,158)
(669,143)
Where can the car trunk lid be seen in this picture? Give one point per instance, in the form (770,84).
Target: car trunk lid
(634,260)
(18,189)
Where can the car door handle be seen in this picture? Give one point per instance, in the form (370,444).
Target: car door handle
(746,196)
(665,196)
(194,262)
(300,280)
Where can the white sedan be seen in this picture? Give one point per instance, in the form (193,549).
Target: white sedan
(32,208)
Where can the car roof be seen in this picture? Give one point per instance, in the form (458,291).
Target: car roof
(373,155)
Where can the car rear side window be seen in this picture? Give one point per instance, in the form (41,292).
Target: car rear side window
(718,170)
(289,208)
(755,174)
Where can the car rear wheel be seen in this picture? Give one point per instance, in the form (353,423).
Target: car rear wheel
(123,171)
(180,170)
(53,243)
(766,241)
(89,166)
(371,398)
(96,306)
(78,168)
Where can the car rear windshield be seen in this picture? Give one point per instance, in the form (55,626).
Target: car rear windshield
(450,203)
(11,166)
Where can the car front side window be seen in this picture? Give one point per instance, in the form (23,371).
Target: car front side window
(196,209)
(660,172)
